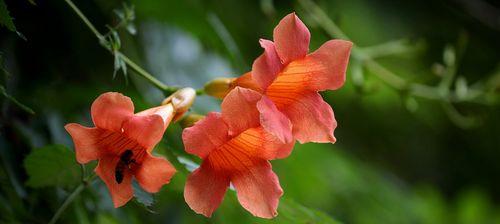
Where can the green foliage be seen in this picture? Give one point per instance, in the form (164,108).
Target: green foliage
(142,196)
(5,18)
(390,164)
(52,165)
(293,212)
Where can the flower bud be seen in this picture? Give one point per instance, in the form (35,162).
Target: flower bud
(219,87)
(181,100)
(190,120)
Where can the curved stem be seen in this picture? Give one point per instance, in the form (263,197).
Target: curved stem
(66,203)
(70,199)
(385,75)
(140,71)
(84,19)
(146,75)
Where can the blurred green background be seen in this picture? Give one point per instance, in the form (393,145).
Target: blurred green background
(404,154)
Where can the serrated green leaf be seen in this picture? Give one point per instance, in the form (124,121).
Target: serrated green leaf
(52,165)
(5,19)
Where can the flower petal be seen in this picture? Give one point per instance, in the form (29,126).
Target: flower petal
(239,110)
(205,189)
(86,142)
(323,69)
(153,173)
(122,192)
(110,110)
(331,60)
(258,189)
(256,143)
(206,135)
(146,130)
(274,121)
(311,117)
(166,112)
(246,81)
(267,66)
(291,38)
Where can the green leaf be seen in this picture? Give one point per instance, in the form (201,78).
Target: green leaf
(52,165)
(142,196)
(293,212)
(5,19)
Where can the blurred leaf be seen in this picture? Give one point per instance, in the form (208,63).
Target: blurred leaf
(52,165)
(293,212)
(461,87)
(449,56)
(411,104)
(142,196)
(473,207)
(5,18)
(357,76)
(131,28)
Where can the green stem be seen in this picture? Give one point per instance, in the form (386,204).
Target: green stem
(84,19)
(384,74)
(333,30)
(67,202)
(70,199)
(146,75)
(140,71)
(4,93)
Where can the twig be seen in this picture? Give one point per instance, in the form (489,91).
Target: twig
(140,71)
(70,199)
(4,93)
(384,74)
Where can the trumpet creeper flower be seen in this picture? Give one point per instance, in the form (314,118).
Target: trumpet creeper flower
(122,142)
(235,149)
(291,78)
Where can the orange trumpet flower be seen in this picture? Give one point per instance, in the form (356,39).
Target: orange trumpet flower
(291,78)
(122,142)
(235,149)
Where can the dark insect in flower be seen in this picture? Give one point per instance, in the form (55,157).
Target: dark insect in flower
(123,163)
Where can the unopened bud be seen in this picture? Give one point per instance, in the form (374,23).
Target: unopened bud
(219,87)
(181,100)
(190,120)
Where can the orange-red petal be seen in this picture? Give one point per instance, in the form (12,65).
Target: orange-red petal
(323,69)
(146,131)
(86,140)
(206,135)
(312,118)
(110,110)
(205,189)
(166,112)
(246,81)
(153,173)
(252,143)
(267,66)
(331,60)
(122,192)
(274,121)
(258,189)
(291,38)
(239,110)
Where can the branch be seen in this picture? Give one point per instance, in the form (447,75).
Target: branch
(140,71)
